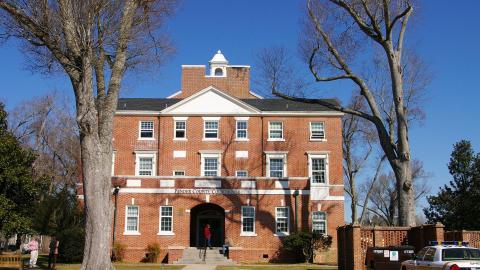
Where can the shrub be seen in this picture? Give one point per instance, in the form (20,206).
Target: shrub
(71,244)
(303,244)
(153,252)
(118,252)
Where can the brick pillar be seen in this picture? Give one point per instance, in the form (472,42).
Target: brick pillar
(357,248)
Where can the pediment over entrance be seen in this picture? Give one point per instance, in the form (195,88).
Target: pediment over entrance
(211,101)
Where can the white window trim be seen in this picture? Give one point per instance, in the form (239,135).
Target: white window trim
(137,232)
(173,173)
(236,130)
(113,162)
(324,133)
(310,163)
(139,154)
(242,233)
(140,131)
(236,173)
(160,222)
(281,234)
(276,139)
(276,155)
(326,221)
(175,130)
(205,120)
(219,163)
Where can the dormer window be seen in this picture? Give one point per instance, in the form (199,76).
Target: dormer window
(218,72)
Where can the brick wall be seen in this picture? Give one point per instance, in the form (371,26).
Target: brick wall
(297,143)
(354,240)
(472,237)
(236,82)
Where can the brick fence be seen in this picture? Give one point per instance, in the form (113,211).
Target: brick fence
(472,237)
(354,240)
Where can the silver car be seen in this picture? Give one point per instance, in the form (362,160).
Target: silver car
(444,257)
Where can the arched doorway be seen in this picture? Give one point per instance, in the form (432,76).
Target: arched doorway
(207,213)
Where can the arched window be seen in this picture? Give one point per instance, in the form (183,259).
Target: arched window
(218,72)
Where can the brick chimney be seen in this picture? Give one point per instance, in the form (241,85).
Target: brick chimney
(234,80)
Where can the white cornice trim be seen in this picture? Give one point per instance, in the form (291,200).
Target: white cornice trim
(255,94)
(220,191)
(239,66)
(197,177)
(175,94)
(193,66)
(286,113)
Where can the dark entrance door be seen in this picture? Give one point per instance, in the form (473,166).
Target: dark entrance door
(207,213)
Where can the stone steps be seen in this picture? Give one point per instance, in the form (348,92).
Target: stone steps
(195,256)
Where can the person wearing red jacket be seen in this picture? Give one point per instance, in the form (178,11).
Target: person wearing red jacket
(208,235)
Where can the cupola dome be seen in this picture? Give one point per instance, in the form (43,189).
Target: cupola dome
(218,65)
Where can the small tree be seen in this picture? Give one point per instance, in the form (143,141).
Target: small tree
(18,191)
(457,204)
(304,244)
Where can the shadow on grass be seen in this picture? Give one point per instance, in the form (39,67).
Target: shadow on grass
(42,263)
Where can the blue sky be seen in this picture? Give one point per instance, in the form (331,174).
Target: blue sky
(446,35)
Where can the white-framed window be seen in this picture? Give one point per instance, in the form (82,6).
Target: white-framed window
(210,129)
(132,214)
(276,165)
(282,221)
(242,129)
(145,163)
(319,222)
(211,165)
(318,169)
(241,173)
(146,130)
(166,220)
(178,173)
(275,131)
(317,131)
(180,129)
(248,220)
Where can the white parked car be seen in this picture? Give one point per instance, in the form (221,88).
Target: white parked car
(444,257)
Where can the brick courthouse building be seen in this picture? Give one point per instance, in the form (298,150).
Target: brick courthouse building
(255,169)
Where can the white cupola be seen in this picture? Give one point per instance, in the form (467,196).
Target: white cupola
(218,65)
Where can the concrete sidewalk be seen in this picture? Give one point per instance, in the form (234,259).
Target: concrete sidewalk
(200,267)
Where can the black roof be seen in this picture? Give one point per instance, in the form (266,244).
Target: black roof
(279,105)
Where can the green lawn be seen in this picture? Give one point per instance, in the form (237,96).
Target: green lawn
(43,263)
(276,267)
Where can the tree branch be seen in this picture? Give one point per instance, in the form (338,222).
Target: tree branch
(360,22)
(403,28)
(311,65)
(53,45)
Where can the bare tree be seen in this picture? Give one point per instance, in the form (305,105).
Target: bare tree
(46,125)
(383,199)
(336,33)
(357,141)
(94,42)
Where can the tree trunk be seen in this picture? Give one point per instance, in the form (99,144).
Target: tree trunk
(402,165)
(96,156)
(99,209)
(405,199)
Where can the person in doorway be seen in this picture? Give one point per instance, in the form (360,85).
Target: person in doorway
(53,252)
(208,235)
(32,246)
